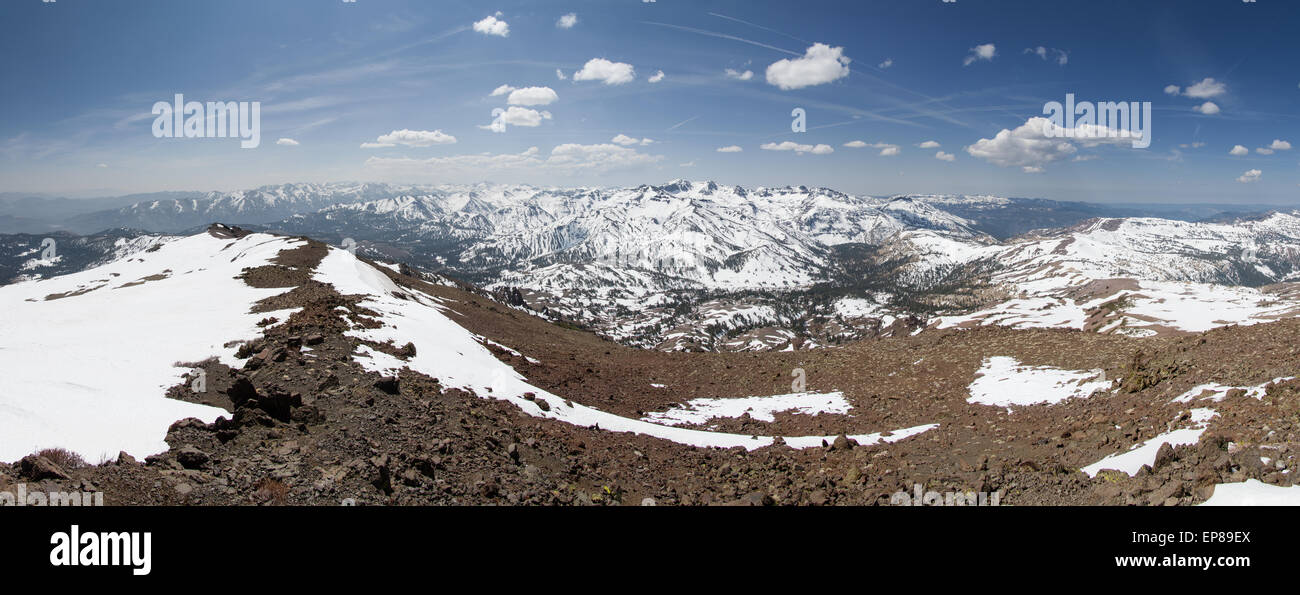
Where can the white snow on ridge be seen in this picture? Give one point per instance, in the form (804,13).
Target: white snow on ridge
(1145,453)
(1219,392)
(1253,492)
(1003,381)
(87,372)
(453,355)
(700,411)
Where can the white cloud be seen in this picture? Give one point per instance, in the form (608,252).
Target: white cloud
(410,138)
(515,116)
(492,25)
(1280,145)
(610,73)
(820,64)
(945,156)
(980,52)
(1264,151)
(502,90)
(566,158)
(1039,141)
(929,145)
(532,96)
(1173,89)
(559,74)
(101,165)
(656,77)
(567,21)
(1208,108)
(599,157)
(1032,169)
(628,141)
(1062,57)
(730,149)
(1206,89)
(1239,150)
(887,63)
(687,164)
(738,75)
(1195,145)
(1250,176)
(288,142)
(886,149)
(798,148)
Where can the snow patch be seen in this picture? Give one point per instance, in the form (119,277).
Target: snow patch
(1003,381)
(700,411)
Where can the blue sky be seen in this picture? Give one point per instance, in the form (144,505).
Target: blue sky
(81,77)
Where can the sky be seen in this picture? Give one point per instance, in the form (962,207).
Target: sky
(899,96)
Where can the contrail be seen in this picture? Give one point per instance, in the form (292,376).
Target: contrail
(770,30)
(723,36)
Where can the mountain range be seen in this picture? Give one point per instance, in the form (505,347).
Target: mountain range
(703,266)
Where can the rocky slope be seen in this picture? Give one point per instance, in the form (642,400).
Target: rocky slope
(362,385)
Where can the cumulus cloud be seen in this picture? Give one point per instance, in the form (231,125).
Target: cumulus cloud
(628,141)
(929,145)
(886,149)
(738,75)
(1206,89)
(605,71)
(820,64)
(493,25)
(515,116)
(798,148)
(1280,145)
(288,142)
(567,21)
(502,90)
(656,77)
(559,74)
(1250,176)
(730,149)
(532,96)
(1208,108)
(1173,89)
(1264,151)
(980,52)
(886,64)
(1239,150)
(410,138)
(1029,145)
(941,156)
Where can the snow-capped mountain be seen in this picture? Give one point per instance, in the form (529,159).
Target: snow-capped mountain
(699,265)
(1137,276)
(260,205)
(26,256)
(687,233)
